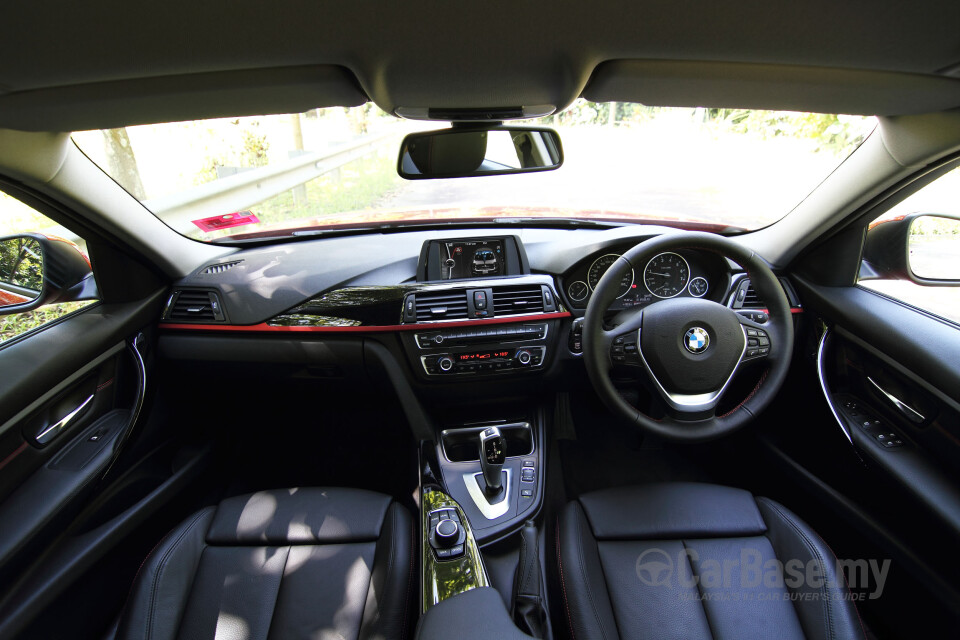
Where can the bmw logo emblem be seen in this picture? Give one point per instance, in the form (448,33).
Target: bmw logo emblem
(696,340)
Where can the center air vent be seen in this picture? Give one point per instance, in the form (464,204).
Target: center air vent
(192,305)
(215,269)
(517,299)
(441,305)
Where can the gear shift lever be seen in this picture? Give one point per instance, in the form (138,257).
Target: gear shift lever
(493,452)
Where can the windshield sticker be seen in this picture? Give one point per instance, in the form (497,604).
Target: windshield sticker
(236,219)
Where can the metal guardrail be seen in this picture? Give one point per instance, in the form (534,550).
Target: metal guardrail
(243,190)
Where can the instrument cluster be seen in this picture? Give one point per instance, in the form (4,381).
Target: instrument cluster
(665,275)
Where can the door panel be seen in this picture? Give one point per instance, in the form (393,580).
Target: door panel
(893,380)
(64,413)
(891,377)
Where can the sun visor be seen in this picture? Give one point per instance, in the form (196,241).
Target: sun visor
(107,105)
(667,83)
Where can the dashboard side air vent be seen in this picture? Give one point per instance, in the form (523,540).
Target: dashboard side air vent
(746,297)
(194,305)
(215,269)
(517,299)
(441,305)
(750,298)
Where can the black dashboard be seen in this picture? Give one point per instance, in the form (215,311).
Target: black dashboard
(483,303)
(255,285)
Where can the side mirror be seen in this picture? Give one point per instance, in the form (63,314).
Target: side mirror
(933,250)
(478,151)
(920,247)
(36,270)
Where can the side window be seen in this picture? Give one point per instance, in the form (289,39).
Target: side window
(912,253)
(44,270)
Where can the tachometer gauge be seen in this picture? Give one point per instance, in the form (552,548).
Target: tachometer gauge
(600,266)
(698,287)
(578,290)
(666,275)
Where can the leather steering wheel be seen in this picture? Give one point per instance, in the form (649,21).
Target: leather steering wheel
(690,348)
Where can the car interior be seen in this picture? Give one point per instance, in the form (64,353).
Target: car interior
(431,418)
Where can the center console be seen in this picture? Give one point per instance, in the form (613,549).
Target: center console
(497,349)
(484,327)
(479,311)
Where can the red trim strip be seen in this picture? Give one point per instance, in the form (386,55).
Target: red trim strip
(264,327)
(13,455)
(792,310)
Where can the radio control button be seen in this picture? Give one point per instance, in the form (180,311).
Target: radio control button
(523,356)
(445,363)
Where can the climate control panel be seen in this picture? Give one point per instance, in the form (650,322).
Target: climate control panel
(484,360)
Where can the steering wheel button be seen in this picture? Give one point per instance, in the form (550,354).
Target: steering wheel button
(752,342)
(763,351)
(752,333)
(751,353)
(764,342)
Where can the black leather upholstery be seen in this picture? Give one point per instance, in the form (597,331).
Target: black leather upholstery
(296,563)
(685,560)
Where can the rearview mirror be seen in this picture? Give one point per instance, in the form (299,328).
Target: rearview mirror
(36,270)
(468,151)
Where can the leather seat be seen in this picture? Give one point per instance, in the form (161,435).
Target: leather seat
(685,560)
(296,563)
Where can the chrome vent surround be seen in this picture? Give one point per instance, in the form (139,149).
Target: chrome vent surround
(441,305)
(517,299)
(194,305)
(216,269)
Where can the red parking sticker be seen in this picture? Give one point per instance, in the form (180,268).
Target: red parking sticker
(227,220)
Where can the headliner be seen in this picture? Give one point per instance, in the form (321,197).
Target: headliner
(86,63)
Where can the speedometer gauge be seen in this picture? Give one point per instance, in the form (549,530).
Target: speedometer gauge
(666,275)
(600,266)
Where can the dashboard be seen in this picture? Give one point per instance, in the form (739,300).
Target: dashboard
(453,306)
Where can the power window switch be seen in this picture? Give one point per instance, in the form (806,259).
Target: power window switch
(526,493)
(528,463)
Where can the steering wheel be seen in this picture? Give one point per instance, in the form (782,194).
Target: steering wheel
(690,348)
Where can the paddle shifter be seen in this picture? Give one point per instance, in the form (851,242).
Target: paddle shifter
(493,452)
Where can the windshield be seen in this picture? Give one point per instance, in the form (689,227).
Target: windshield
(224,179)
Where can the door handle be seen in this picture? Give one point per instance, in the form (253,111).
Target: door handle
(54,430)
(906,410)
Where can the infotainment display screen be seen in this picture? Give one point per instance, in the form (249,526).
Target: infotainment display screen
(471,259)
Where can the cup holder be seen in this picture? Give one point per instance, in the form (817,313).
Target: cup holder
(462,444)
